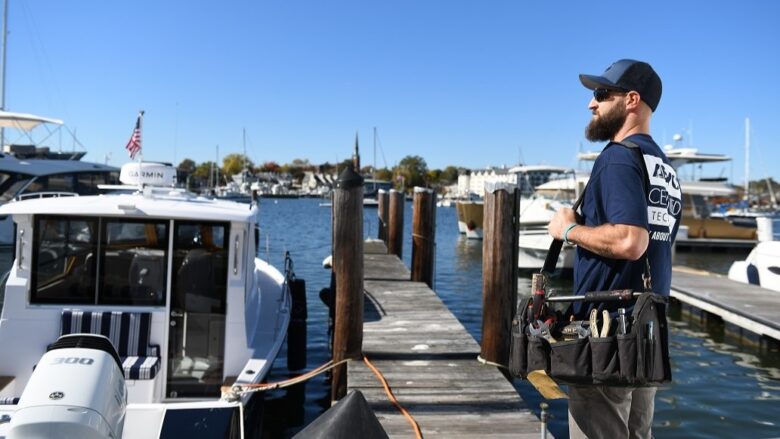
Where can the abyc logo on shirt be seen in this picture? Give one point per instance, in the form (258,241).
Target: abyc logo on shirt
(664,197)
(668,176)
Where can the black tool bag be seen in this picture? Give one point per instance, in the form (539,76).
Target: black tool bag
(634,353)
(638,357)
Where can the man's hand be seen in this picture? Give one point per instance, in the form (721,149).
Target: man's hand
(560,221)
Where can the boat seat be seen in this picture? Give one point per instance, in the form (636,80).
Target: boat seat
(9,400)
(128,332)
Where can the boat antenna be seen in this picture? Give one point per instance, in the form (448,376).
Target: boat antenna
(747,159)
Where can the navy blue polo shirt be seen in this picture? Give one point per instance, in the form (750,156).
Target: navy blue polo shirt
(615,194)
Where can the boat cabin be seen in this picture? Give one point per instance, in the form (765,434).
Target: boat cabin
(169,277)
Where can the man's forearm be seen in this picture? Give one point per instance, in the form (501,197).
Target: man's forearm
(611,241)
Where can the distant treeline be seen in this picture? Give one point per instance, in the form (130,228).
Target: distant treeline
(411,171)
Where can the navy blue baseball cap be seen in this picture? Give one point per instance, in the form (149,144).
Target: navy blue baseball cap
(628,75)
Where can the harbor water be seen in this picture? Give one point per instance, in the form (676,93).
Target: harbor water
(721,388)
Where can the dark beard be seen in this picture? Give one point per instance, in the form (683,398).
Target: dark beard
(607,126)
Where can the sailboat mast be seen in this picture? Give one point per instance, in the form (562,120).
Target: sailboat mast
(747,159)
(4,44)
(374,167)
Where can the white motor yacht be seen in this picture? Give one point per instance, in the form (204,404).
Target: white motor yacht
(536,213)
(35,171)
(171,279)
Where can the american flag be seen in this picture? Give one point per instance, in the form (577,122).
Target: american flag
(133,146)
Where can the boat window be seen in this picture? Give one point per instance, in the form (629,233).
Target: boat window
(133,262)
(200,265)
(12,184)
(59,183)
(87,183)
(64,260)
(698,206)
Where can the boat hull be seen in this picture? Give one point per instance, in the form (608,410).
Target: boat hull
(470,217)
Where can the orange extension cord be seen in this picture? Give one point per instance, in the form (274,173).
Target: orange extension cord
(249,388)
(392,398)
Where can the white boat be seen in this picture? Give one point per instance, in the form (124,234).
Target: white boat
(470,214)
(526,177)
(34,177)
(534,245)
(761,267)
(536,213)
(171,278)
(701,223)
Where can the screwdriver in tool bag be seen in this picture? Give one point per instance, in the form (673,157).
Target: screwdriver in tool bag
(622,329)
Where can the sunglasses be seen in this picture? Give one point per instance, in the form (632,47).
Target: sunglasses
(602,94)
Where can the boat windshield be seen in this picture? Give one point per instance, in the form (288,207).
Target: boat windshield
(11,184)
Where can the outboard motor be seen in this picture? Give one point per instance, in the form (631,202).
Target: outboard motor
(77,390)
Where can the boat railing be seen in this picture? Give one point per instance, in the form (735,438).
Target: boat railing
(53,194)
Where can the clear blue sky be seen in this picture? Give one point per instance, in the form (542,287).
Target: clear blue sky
(465,83)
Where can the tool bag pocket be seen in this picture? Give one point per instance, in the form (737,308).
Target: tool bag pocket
(627,358)
(538,354)
(570,361)
(605,361)
(518,352)
(518,341)
(651,331)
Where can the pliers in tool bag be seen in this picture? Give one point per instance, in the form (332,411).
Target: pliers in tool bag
(606,321)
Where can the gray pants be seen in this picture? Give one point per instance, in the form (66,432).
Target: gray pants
(597,412)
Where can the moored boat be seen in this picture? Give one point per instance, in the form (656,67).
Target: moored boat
(170,278)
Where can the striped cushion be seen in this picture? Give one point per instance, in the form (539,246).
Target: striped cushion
(128,332)
(141,368)
(9,400)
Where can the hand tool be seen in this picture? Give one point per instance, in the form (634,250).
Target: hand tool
(605,323)
(622,327)
(576,329)
(541,330)
(594,324)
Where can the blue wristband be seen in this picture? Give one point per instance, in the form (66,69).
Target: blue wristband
(566,233)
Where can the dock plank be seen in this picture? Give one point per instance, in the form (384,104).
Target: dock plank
(748,306)
(430,361)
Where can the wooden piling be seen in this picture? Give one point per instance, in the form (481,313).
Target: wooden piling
(499,269)
(383,212)
(348,270)
(423,235)
(395,227)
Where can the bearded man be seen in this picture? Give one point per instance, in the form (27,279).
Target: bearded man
(629,218)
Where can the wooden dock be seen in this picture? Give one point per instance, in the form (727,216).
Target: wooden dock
(746,306)
(430,363)
(684,244)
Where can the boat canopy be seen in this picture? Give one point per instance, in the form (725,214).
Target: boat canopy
(708,188)
(677,156)
(12,165)
(24,121)
(147,204)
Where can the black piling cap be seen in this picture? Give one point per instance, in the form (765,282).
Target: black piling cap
(349,179)
(352,417)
